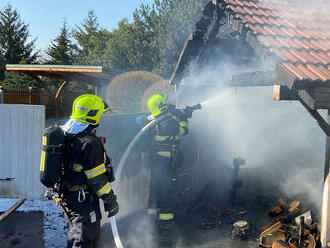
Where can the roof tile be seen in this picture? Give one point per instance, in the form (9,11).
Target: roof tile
(287,32)
(288,56)
(249,19)
(259,20)
(241,10)
(294,70)
(302,34)
(270,30)
(268,41)
(324,70)
(305,70)
(284,42)
(239,3)
(303,44)
(319,45)
(252,4)
(249,11)
(321,57)
(319,73)
(303,57)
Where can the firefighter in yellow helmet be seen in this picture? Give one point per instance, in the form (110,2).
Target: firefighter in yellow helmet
(164,157)
(88,174)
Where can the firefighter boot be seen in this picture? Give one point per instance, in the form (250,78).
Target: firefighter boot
(166,233)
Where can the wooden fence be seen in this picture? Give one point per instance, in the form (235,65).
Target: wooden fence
(37,96)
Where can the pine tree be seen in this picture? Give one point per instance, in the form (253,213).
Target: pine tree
(14,45)
(92,41)
(62,51)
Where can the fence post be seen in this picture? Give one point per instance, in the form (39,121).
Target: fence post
(30,95)
(41,96)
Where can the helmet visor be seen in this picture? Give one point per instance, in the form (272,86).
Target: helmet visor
(73,126)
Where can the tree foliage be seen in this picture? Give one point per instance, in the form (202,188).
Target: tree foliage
(62,51)
(177,21)
(132,45)
(14,44)
(152,41)
(92,41)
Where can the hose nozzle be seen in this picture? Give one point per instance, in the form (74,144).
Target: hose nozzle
(196,106)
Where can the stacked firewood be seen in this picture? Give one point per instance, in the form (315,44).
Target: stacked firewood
(293,227)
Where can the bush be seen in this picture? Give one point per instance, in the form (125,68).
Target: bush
(125,91)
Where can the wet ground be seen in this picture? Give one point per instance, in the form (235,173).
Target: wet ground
(22,230)
(203,227)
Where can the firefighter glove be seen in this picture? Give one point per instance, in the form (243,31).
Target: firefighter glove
(111,204)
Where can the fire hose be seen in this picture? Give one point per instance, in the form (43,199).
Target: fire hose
(129,149)
(121,164)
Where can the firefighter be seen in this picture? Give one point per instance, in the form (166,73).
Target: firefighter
(164,157)
(87,177)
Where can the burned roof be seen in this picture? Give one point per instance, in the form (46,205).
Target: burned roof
(301,45)
(276,30)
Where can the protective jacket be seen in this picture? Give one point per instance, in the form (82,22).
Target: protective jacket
(85,181)
(164,153)
(88,170)
(165,138)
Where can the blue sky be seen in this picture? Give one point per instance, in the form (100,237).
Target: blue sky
(46,16)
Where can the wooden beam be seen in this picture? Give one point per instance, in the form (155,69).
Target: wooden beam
(59,91)
(46,68)
(282,92)
(12,209)
(40,82)
(325,214)
(308,97)
(318,118)
(322,97)
(257,78)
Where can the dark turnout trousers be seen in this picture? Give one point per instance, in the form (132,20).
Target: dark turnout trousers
(84,223)
(162,187)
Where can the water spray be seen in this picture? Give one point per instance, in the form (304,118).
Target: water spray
(223,97)
(187,110)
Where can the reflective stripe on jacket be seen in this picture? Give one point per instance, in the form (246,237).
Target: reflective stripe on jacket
(166,136)
(88,165)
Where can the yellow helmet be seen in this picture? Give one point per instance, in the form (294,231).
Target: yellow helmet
(157,104)
(88,109)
